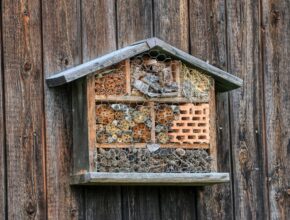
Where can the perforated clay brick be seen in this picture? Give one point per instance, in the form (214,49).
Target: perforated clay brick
(192,125)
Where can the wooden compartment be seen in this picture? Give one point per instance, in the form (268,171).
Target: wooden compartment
(189,129)
(123,123)
(188,123)
(112,80)
(165,76)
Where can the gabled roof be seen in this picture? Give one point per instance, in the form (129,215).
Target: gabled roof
(224,80)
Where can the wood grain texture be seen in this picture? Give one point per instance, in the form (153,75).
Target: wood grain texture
(2,137)
(182,179)
(137,15)
(98,28)
(259,131)
(135,21)
(61,50)
(168,16)
(81,127)
(171,22)
(276,52)
(96,64)
(140,202)
(212,127)
(23,88)
(101,202)
(224,81)
(246,110)
(177,203)
(208,42)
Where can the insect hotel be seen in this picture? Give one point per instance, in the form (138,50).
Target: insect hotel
(145,114)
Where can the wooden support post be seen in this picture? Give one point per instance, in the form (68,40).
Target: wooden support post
(152,114)
(176,67)
(212,121)
(84,126)
(128,76)
(91,118)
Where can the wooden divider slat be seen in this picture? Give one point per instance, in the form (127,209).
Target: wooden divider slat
(143,145)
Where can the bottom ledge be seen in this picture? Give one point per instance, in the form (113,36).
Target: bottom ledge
(182,179)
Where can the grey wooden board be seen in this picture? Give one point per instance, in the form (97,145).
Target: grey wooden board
(195,179)
(224,81)
(84,69)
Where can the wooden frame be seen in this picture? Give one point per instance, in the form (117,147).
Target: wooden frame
(85,146)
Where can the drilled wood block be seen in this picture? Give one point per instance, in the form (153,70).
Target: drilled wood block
(192,125)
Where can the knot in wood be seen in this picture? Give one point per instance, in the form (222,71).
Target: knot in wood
(243,154)
(30,208)
(27,66)
(279,196)
(74,212)
(275,17)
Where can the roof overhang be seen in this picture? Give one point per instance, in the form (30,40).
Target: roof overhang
(224,80)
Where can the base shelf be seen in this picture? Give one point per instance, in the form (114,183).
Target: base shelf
(181,179)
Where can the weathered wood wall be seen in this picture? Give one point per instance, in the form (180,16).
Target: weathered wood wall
(248,38)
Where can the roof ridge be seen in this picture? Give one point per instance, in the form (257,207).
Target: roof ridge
(225,80)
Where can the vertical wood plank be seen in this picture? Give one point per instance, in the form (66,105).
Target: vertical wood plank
(178,203)
(24,117)
(276,52)
(61,45)
(81,127)
(208,42)
(246,110)
(176,67)
(212,121)
(2,135)
(140,202)
(99,37)
(98,28)
(91,118)
(103,203)
(135,22)
(128,76)
(152,116)
(171,22)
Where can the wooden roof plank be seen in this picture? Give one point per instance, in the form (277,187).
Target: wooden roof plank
(224,80)
(82,70)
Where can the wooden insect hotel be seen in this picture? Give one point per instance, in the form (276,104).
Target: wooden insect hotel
(145,114)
